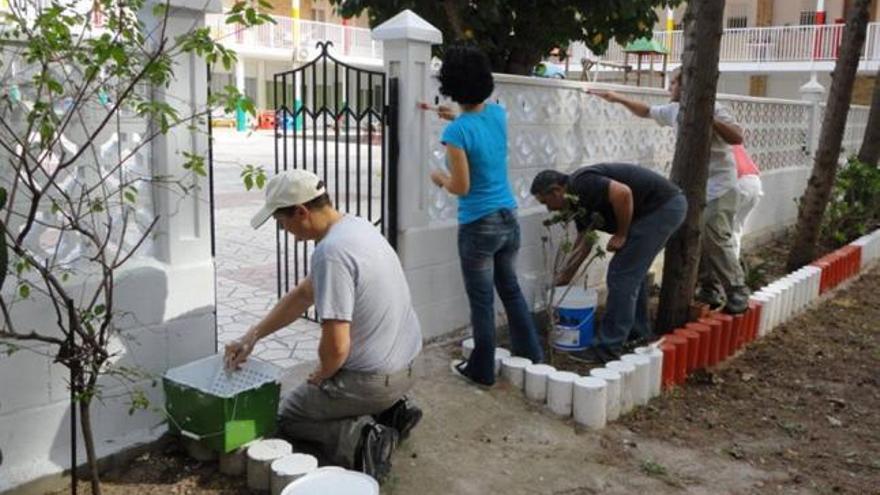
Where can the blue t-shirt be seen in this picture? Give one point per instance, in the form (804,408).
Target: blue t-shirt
(483,137)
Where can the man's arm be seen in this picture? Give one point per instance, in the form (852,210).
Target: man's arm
(333,349)
(729,131)
(621,199)
(292,306)
(637,108)
(578,254)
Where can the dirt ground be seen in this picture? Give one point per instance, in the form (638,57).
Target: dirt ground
(797,412)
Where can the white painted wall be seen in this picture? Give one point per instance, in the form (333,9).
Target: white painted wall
(167,306)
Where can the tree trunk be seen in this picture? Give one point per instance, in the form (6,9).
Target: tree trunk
(85,417)
(815,199)
(690,166)
(453,14)
(870,150)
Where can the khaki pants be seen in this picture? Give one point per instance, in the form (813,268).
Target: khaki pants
(719,263)
(333,415)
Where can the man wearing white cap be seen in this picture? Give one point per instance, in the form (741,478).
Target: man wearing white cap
(353,406)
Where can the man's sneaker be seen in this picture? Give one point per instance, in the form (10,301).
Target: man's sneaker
(711,297)
(403,416)
(594,355)
(373,456)
(737,301)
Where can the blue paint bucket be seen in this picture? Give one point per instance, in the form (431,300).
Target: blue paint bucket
(576,315)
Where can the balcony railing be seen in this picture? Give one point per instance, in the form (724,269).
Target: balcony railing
(347,40)
(757,45)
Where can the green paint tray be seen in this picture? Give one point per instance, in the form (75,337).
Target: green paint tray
(220,409)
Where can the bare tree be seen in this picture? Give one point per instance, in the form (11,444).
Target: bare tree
(870,151)
(70,204)
(690,166)
(815,199)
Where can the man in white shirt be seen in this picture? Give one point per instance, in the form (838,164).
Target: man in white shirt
(721,276)
(353,407)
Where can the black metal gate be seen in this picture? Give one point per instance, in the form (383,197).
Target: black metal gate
(338,121)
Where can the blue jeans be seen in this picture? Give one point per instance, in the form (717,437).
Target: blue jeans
(487,248)
(626,308)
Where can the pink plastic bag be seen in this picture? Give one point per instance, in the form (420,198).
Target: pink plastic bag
(744,163)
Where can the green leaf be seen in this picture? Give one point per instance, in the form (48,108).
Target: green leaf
(99,309)
(249,182)
(24,290)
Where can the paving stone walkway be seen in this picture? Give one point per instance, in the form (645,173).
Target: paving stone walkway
(245,258)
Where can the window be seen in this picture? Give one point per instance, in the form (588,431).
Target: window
(737,15)
(737,22)
(808,18)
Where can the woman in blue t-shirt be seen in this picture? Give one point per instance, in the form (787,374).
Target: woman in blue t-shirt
(488,232)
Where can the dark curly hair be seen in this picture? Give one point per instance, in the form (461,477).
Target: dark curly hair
(466,75)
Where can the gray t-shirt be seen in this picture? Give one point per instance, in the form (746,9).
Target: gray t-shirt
(722,168)
(357,278)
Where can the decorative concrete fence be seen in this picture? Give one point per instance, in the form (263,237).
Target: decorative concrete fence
(554,124)
(164,295)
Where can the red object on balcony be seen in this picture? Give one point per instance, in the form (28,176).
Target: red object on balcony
(266,120)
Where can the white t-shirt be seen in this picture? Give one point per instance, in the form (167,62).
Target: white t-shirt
(357,278)
(722,167)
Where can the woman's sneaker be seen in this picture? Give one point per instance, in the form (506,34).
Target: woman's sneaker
(459,369)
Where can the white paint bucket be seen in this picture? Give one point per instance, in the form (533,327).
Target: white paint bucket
(500,353)
(290,468)
(467,347)
(576,313)
(333,481)
(642,377)
(627,378)
(513,369)
(260,456)
(536,381)
(588,406)
(612,391)
(656,371)
(560,392)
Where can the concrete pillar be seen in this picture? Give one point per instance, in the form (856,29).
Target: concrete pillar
(262,100)
(183,232)
(814,93)
(407,41)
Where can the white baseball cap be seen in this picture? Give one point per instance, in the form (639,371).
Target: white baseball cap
(289,188)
